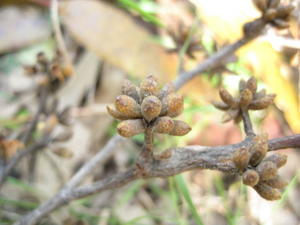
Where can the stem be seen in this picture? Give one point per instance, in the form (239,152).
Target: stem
(247,123)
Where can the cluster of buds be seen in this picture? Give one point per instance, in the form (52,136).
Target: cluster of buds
(51,73)
(259,171)
(148,107)
(180,36)
(272,13)
(248,99)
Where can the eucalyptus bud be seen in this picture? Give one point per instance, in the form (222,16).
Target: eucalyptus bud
(277,182)
(128,88)
(180,128)
(250,178)
(267,192)
(266,170)
(252,85)
(241,158)
(262,103)
(149,86)
(163,125)
(278,159)
(246,97)
(129,128)
(226,97)
(175,104)
(151,107)
(128,106)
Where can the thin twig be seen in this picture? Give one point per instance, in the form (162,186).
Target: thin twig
(43,142)
(247,123)
(212,62)
(182,159)
(57,31)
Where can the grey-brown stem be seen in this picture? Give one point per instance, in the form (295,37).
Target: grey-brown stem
(247,123)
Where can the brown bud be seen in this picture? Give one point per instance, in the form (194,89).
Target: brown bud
(280,24)
(242,85)
(220,105)
(266,170)
(56,72)
(262,103)
(30,70)
(260,94)
(250,178)
(252,29)
(128,106)
(241,158)
(67,70)
(151,107)
(180,128)
(277,182)
(149,86)
(270,14)
(246,97)
(226,97)
(163,125)
(174,104)
(273,3)
(252,85)
(166,90)
(259,149)
(277,158)
(260,4)
(267,192)
(63,152)
(129,128)
(284,11)
(128,88)
(116,114)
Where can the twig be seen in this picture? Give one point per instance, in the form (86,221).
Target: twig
(212,62)
(247,123)
(182,159)
(43,142)
(57,31)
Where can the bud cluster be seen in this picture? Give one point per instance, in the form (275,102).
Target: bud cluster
(248,99)
(272,13)
(148,106)
(50,73)
(258,171)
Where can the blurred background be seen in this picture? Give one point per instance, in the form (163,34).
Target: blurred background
(108,41)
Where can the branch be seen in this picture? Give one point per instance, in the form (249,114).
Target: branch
(247,123)
(212,62)
(182,159)
(43,142)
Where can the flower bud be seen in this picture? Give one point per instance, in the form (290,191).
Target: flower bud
(63,152)
(280,24)
(149,86)
(260,4)
(129,128)
(67,70)
(116,114)
(278,159)
(273,3)
(252,85)
(270,14)
(128,88)
(246,97)
(284,11)
(151,107)
(226,97)
(241,158)
(174,104)
(242,85)
(250,178)
(267,192)
(128,106)
(180,128)
(163,125)
(260,94)
(262,103)
(277,182)
(266,170)
(220,105)
(259,149)
(166,90)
